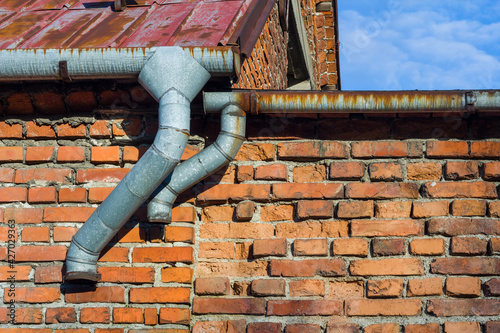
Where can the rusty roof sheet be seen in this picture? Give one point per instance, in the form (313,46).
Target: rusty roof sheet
(144,23)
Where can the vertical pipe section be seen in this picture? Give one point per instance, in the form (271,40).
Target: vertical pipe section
(203,164)
(174,78)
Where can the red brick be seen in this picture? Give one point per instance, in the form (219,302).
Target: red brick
(310,247)
(11,131)
(447,149)
(312,150)
(13,194)
(393,209)
(308,268)
(48,274)
(425,287)
(463,287)
(463,226)
(306,288)
(458,327)
(92,294)
(307,191)
(49,102)
(492,171)
(384,288)
(379,267)
(176,274)
(463,307)
(355,209)
(25,330)
(11,154)
(462,170)
(423,328)
(212,286)
(159,295)
(184,214)
(492,327)
(276,171)
(217,214)
(460,190)
(34,131)
(240,230)
(42,195)
(381,190)
(217,250)
(264,327)
(347,171)
(127,274)
(244,173)
(468,246)
(22,273)
(81,101)
(249,306)
(245,210)
(312,229)
(342,328)
(422,209)
(127,316)
(98,194)
(492,287)
(100,130)
(99,155)
(267,287)
(382,307)
(67,214)
(36,234)
(7,175)
(387,228)
(304,307)
(129,127)
(109,175)
(466,266)
(72,195)
(485,149)
(28,316)
(256,152)
(269,247)
(163,254)
(276,213)
(424,171)
(95,315)
(495,245)
(381,149)
(175,316)
(150,316)
(40,253)
(39,154)
(386,172)
(386,328)
(60,315)
(69,154)
(34,295)
(66,131)
(309,174)
(427,246)
(20,103)
(314,209)
(234,192)
(468,208)
(43,174)
(350,247)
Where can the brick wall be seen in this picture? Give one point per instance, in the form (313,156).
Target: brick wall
(322,224)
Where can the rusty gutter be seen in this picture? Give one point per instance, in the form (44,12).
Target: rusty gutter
(262,102)
(98,63)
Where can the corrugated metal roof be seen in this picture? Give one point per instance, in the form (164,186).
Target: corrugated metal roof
(144,23)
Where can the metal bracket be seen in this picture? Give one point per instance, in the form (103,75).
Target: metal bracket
(470,100)
(63,70)
(120,5)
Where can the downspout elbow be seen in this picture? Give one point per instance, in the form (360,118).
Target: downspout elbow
(200,166)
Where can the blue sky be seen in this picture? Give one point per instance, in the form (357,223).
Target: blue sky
(419,44)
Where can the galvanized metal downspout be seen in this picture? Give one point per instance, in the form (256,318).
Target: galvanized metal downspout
(203,164)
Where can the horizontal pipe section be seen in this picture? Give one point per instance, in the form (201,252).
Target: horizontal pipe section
(261,101)
(101,63)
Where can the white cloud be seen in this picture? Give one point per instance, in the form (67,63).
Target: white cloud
(424,46)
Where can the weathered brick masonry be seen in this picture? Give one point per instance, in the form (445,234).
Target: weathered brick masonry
(322,224)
